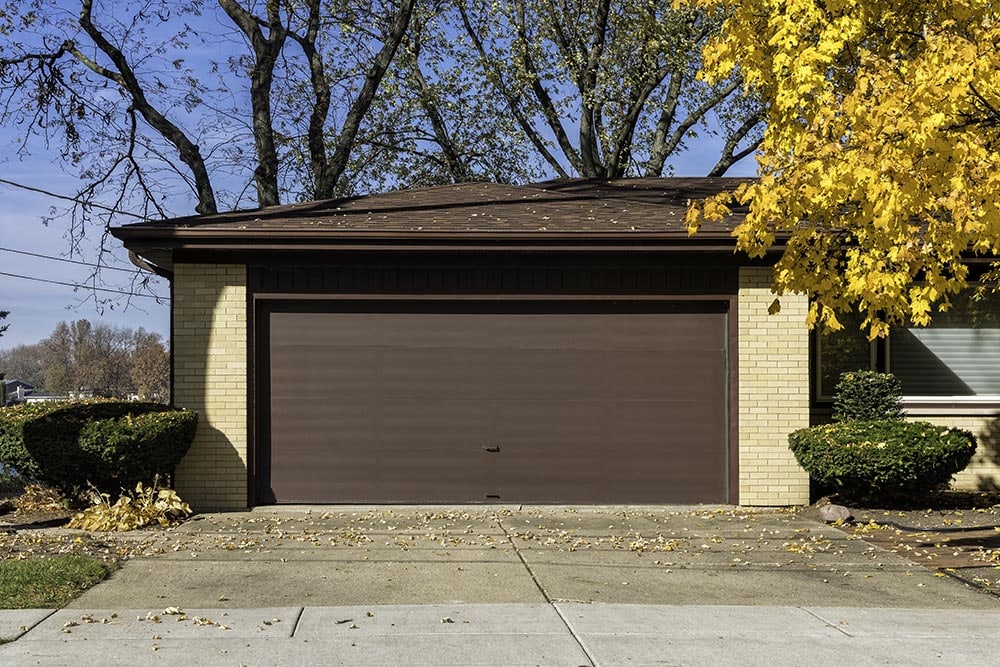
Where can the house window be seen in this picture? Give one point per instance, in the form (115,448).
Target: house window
(957,356)
(839,352)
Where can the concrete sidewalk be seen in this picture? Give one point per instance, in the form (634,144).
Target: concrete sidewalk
(511,634)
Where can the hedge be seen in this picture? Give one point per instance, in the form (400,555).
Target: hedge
(867,396)
(884,461)
(110,444)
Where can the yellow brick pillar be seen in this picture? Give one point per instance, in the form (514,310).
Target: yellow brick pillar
(209,344)
(773,392)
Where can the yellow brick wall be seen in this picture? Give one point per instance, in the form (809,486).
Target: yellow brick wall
(773,392)
(983,473)
(210,376)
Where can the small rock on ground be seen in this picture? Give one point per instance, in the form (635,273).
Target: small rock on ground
(832,513)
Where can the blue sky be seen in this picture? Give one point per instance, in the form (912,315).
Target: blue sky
(36,307)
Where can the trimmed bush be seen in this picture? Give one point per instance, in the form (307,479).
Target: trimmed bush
(109,444)
(884,462)
(867,396)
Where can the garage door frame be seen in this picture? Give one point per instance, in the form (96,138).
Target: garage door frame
(262,302)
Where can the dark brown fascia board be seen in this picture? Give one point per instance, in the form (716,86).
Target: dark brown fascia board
(307,239)
(161,251)
(150,241)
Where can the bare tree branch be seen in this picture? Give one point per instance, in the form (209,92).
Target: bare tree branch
(590,124)
(360,105)
(125,77)
(545,101)
(729,157)
(266,51)
(323,178)
(68,198)
(693,118)
(513,105)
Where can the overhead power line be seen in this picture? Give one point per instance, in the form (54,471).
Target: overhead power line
(69,261)
(86,287)
(75,200)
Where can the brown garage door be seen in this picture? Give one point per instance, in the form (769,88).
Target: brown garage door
(506,402)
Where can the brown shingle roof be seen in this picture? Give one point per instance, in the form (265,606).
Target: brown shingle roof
(567,206)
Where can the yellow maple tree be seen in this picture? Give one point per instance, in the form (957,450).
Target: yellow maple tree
(880,166)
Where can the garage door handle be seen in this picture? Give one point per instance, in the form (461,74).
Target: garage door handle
(494,448)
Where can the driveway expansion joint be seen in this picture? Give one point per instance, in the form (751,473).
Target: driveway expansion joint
(295,623)
(826,622)
(545,594)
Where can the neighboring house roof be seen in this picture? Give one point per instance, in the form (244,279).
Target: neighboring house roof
(583,210)
(12,385)
(16,390)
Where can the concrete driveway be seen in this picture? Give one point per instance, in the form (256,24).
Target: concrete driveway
(378,556)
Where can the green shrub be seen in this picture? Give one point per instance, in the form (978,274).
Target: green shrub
(886,461)
(109,444)
(867,396)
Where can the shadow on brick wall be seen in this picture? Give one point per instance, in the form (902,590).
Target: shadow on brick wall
(209,356)
(989,452)
(212,477)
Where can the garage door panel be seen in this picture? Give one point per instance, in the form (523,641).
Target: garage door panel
(604,427)
(534,373)
(432,479)
(294,371)
(489,330)
(642,331)
(314,437)
(609,451)
(311,419)
(498,404)
(392,450)
(415,424)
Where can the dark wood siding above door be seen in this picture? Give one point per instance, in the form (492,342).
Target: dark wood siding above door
(505,401)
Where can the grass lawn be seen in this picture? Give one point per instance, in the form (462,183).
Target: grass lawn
(48,582)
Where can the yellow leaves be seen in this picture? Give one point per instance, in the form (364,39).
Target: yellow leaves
(642,545)
(879,166)
(144,507)
(713,209)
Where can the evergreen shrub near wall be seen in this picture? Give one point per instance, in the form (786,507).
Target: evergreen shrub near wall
(110,444)
(883,462)
(867,396)
(870,454)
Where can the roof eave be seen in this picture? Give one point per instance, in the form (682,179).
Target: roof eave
(208,237)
